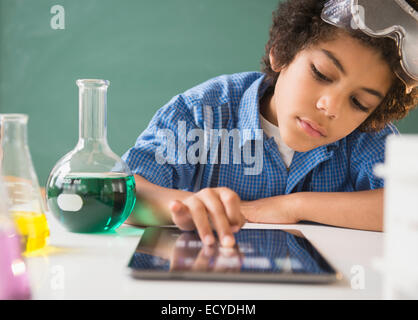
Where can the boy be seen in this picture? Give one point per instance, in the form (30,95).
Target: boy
(306,134)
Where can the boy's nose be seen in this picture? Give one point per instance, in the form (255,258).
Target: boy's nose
(329,106)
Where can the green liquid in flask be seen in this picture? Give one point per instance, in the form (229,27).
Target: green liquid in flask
(92,202)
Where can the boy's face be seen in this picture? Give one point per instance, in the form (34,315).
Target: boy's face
(327,91)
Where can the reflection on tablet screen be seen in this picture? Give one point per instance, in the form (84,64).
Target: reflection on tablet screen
(256,251)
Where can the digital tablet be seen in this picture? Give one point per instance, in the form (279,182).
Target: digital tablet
(259,255)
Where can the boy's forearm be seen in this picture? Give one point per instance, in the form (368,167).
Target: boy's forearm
(357,210)
(152,202)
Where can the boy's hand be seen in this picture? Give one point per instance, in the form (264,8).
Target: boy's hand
(278,209)
(217,207)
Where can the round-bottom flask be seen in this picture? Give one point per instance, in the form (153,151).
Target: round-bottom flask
(91,189)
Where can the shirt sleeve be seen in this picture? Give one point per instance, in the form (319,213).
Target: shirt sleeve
(368,149)
(159,152)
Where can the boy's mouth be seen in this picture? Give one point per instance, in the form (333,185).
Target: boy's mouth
(312,128)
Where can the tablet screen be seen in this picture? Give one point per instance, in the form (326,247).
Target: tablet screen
(259,254)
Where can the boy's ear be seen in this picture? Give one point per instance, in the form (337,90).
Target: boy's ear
(273,62)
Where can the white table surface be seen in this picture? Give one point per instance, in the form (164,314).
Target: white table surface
(94,266)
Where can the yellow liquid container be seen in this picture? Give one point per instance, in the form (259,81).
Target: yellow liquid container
(26,203)
(33,229)
(28,213)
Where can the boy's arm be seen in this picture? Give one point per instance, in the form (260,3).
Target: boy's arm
(357,210)
(157,199)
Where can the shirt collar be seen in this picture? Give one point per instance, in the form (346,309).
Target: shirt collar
(333,146)
(249,106)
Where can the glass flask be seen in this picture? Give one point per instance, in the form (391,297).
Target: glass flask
(27,205)
(14,280)
(91,189)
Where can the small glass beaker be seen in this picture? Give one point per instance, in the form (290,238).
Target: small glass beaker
(27,204)
(91,189)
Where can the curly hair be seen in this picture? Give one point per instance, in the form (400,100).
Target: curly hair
(297,24)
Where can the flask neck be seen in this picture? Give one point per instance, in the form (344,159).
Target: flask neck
(92,111)
(13,129)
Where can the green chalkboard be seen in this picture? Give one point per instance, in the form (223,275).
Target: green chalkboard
(148,50)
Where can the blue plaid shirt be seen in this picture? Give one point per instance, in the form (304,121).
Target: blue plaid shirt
(168,152)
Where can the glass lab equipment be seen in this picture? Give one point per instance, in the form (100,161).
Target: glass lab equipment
(91,189)
(27,205)
(14,281)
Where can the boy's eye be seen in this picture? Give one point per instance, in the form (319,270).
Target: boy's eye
(321,77)
(358,105)
(318,75)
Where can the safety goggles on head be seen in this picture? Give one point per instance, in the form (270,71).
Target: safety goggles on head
(382,18)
